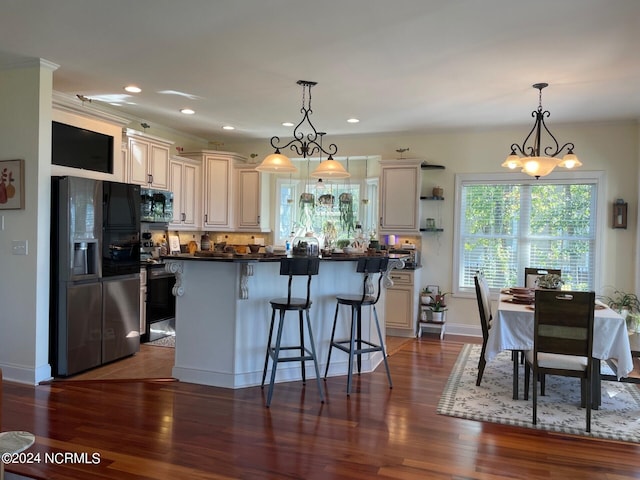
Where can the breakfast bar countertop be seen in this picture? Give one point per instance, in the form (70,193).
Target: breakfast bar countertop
(263,257)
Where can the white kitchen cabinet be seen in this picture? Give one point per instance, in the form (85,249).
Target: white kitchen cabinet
(148,160)
(402,302)
(218,190)
(185,181)
(400,183)
(248,204)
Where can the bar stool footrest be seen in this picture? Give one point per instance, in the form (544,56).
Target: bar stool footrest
(345,346)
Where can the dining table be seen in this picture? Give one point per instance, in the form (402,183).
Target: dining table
(512,329)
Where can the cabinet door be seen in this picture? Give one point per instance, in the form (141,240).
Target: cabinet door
(399,197)
(191,195)
(138,162)
(248,210)
(398,311)
(159,167)
(217,211)
(176,181)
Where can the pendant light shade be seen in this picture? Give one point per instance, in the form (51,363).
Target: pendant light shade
(330,168)
(276,163)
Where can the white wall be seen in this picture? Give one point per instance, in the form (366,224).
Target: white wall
(25,133)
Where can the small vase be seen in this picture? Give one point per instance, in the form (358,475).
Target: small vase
(437,317)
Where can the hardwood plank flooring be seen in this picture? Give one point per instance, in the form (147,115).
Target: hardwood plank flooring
(145,430)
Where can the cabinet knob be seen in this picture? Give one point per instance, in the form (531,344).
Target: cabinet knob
(150,178)
(183,217)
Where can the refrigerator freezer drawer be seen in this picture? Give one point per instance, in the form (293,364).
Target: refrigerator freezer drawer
(120,317)
(80,338)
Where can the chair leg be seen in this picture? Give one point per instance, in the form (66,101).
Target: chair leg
(384,351)
(315,358)
(588,395)
(266,357)
(359,336)
(527,374)
(333,334)
(276,356)
(514,358)
(302,352)
(535,396)
(481,363)
(352,346)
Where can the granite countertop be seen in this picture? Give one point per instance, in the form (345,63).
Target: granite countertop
(262,257)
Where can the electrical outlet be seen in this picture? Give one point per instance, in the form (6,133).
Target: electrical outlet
(19,247)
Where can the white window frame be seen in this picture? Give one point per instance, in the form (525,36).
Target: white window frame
(596,177)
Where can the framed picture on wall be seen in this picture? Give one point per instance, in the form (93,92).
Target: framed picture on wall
(11,184)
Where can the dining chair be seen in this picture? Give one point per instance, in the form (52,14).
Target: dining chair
(483,296)
(531,275)
(484,309)
(562,342)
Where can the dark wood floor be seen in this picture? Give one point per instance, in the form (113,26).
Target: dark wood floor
(174,430)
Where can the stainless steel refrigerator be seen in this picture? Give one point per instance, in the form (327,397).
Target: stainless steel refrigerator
(95,273)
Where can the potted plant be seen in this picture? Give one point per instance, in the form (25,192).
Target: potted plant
(623,302)
(437,304)
(550,281)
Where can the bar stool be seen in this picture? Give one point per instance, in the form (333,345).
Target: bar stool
(355,345)
(302,266)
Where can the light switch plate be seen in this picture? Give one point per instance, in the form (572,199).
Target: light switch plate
(19,247)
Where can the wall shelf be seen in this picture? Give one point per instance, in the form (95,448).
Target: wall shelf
(431,198)
(432,229)
(431,166)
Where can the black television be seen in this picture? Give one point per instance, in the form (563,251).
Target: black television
(79,148)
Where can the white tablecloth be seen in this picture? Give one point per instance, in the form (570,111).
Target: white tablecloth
(512,329)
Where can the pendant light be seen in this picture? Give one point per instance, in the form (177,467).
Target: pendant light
(537,161)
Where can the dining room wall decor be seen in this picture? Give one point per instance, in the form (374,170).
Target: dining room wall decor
(11,184)
(620,214)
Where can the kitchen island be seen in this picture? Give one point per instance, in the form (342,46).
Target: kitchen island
(223,314)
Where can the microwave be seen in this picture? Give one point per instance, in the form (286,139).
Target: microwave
(156,206)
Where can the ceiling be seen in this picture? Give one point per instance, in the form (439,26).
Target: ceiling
(398,66)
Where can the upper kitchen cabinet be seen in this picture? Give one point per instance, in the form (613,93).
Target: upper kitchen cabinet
(400,183)
(218,197)
(247,213)
(185,181)
(148,160)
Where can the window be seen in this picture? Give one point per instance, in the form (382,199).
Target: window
(305,207)
(505,224)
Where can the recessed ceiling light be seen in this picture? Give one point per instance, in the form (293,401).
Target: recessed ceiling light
(132,89)
(187,111)
(353,120)
(287,124)
(228,127)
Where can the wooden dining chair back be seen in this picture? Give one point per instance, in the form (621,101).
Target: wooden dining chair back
(532,274)
(484,309)
(562,341)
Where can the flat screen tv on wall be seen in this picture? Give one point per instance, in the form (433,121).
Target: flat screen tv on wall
(79,148)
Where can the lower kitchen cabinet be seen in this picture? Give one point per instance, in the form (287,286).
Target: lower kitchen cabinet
(402,303)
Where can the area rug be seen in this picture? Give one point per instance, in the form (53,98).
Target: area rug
(168,341)
(618,418)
